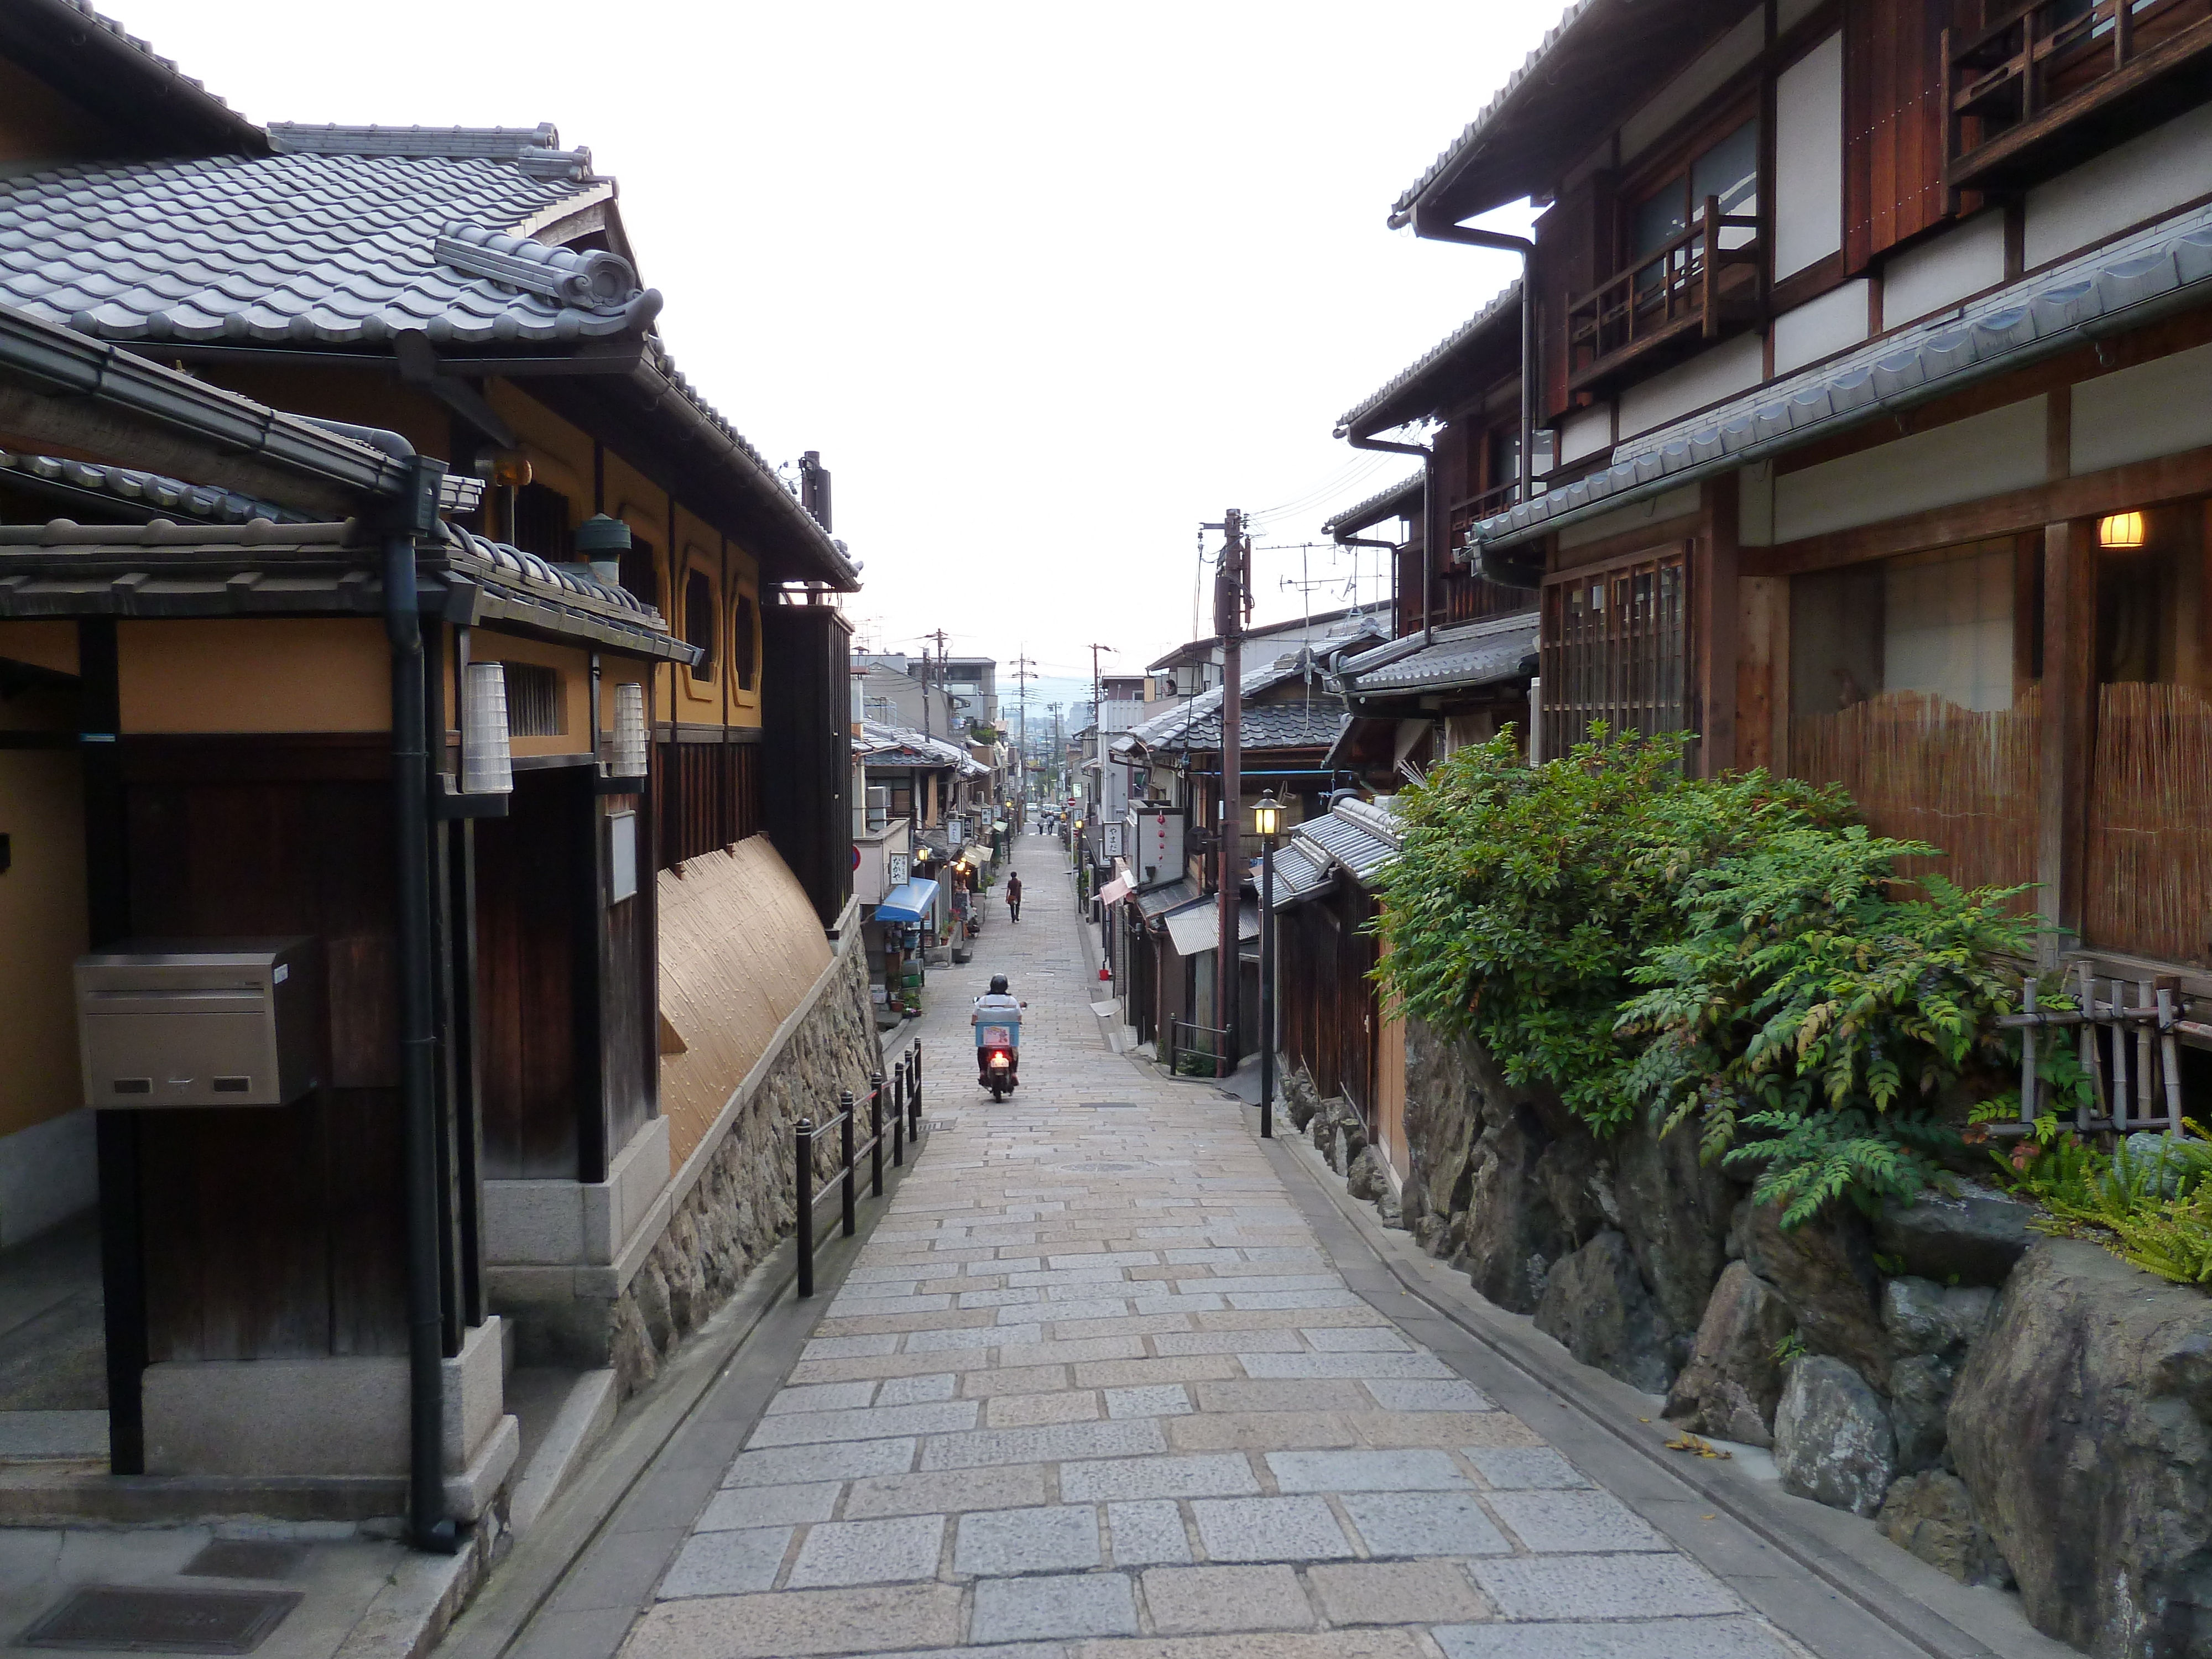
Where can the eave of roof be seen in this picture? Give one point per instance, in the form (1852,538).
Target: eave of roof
(1470,654)
(2124,285)
(1400,501)
(96,62)
(1600,60)
(1438,377)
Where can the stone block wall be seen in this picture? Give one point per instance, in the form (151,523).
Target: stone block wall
(741,1203)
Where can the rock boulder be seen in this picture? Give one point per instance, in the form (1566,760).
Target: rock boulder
(1824,1270)
(1932,1514)
(1975,1236)
(1832,1439)
(1733,1381)
(2079,1424)
(1595,1304)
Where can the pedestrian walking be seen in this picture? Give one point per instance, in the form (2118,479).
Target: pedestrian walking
(1014,896)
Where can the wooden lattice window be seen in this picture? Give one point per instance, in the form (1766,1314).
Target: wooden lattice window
(1616,648)
(535,707)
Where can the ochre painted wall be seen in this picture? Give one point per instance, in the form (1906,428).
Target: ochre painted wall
(259,674)
(42,644)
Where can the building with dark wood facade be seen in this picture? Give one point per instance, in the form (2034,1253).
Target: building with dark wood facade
(459,683)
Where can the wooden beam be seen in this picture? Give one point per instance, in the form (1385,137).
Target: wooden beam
(2139,484)
(1762,679)
(2070,691)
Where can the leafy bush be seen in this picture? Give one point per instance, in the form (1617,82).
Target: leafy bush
(2147,1201)
(1785,989)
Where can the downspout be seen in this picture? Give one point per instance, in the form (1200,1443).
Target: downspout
(431,1529)
(1498,241)
(1432,536)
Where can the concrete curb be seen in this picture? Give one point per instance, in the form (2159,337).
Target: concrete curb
(1828,1578)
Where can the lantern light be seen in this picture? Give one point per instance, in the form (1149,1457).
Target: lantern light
(1268,815)
(487,766)
(2123,531)
(626,755)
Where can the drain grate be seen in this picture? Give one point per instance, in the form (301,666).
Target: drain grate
(246,1558)
(109,1617)
(939,1124)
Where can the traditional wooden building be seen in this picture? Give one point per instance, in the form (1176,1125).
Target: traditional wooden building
(1872,339)
(454,689)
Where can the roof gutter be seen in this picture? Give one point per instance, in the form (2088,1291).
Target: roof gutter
(1498,241)
(188,427)
(1429,533)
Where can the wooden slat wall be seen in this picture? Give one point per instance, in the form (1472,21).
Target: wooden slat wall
(1892,117)
(273,1233)
(706,797)
(526,885)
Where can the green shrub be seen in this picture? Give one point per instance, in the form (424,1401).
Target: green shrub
(1728,948)
(2148,1201)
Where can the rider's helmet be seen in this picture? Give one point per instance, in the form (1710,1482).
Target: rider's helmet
(998,985)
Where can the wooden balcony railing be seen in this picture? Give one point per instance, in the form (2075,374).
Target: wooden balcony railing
(1471,511)
(2048,83)
(1691,289)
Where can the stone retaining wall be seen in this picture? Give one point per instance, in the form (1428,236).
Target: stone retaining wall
(741,1203)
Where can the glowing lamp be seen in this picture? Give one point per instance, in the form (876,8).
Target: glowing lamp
(2120,530)
(1268,816)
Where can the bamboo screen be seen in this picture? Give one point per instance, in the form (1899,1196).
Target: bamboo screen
(1923,768)
(2148,886)
(1615,648)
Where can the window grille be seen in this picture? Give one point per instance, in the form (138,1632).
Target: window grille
(744,643)
(534,707)
(1615,648)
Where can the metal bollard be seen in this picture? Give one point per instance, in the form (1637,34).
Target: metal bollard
(876,1135)
(898,1117)
(802,1134)
(845,1153)
(914,1095)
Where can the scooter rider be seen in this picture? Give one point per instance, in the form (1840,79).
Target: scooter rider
(997,1007)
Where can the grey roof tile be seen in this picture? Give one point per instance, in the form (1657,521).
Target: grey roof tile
(1474,653)
(1504,305)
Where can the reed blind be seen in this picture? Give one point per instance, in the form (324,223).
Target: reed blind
(1616,647)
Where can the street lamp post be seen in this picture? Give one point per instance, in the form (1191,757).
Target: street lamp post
(1266,822)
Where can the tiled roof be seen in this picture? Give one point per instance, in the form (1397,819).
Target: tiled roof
(1357,836)
(125,490)
(1155,901)
(889,746)
(2119,286)
(303,248)
(1401,500)
(1364,418)
(1473,653)
(1300,874)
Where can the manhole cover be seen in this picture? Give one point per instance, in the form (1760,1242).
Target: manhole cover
(102,1616)
(1101,1168)
(246,1558)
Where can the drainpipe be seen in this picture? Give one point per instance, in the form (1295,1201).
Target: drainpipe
(1432,518)
(430,1528)
(1501,243)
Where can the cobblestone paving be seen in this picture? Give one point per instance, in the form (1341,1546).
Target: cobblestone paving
(1092,1392)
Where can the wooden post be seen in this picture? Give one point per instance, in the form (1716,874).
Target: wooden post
(1762,675)
(2070,716)
(1715,607)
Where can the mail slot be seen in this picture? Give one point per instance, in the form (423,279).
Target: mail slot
(222,1022)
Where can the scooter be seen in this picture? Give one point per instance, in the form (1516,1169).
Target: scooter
(998,1056)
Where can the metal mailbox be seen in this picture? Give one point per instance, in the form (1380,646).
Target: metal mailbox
(217,1022)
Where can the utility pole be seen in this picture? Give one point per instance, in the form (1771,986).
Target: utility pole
(1231,594)
(1023,674)
(928,729)
(1098,748)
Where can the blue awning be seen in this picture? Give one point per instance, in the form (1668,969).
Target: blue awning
(910,900)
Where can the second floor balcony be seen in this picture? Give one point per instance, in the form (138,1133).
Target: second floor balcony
(1699,285)
(2045,84)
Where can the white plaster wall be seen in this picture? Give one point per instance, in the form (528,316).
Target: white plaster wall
(2139,180)
(1672,504)
(1755,505)
(1808,158)
(1733,366)
(1983,455)
(1585,434)
(1694,84)
(1821,327)
(1943,271)
(2157,408)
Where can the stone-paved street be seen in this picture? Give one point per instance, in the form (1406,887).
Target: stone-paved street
(1091,1389)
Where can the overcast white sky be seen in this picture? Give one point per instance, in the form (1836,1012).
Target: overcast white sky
(1046,285)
